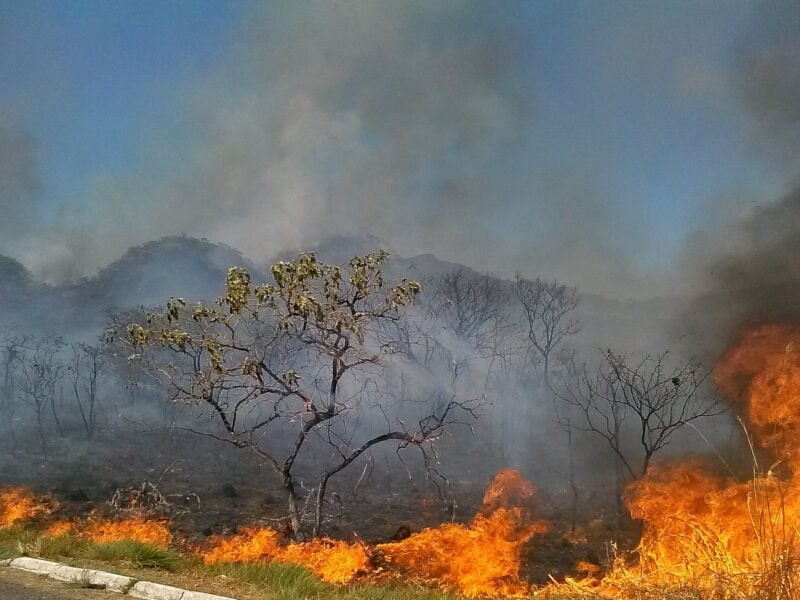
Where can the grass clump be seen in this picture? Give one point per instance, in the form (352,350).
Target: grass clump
(137,553)
(22,540)
(393,592)
(9,538)
(62,546)
(288,581)
(285,581)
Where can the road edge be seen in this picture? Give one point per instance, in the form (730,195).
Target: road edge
(135,588)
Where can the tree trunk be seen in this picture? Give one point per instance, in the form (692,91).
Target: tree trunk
(42,436)
(294,514)
(323,484)
(573,486)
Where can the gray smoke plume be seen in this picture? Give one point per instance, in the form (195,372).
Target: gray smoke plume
(767,81)
(747,268)
(756,282)
(20,188)
(322,119)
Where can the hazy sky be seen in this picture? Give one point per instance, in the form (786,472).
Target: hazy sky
(591,141)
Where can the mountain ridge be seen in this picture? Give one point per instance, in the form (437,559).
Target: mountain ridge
(195,269)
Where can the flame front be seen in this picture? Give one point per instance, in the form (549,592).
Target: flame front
(764,371)
(249,545)
(478,559)
(330,560)
(483,557)
(714,534)
(17,505)
(137,529)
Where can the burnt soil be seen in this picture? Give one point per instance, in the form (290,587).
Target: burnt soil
(205,487)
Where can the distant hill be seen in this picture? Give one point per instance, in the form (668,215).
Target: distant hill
(18,290)
(195,269)
(145,275)
(172,266)
(13,275)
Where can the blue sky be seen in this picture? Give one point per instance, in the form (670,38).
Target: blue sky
(590,141)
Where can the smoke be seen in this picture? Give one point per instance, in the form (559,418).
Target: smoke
(321,119)
(745,261)
(767,82)
(20,187)
(752,278)
(426,124)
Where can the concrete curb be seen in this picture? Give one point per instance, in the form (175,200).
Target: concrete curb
(156,591)
(145,590)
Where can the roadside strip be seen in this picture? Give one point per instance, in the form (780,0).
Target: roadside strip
(145,590)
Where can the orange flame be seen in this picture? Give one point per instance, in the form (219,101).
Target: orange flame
(249,545)
(17,505)
(59,528)
(137,529)
(764,371)
(703,531)
(332,561)
(479,559)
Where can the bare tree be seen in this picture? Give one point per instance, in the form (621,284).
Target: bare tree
(637,407)
(478,309)
(295,360)
(11,350)
(40,374)
(86,365)
(471,305)
(547,306)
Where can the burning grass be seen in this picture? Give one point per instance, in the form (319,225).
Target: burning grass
(18,505)
(709,537)
(137,529)
(481,558)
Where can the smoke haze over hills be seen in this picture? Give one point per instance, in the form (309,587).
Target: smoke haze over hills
(507,138)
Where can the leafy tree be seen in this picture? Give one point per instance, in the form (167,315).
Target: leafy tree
(282,363)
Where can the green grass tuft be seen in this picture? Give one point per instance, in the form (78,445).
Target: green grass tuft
(392,592)
(289,582)
(286,580)
(141,555)
(62,546)
(17,540)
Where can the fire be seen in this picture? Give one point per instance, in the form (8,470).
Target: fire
(136,529)
(483,557)
(478,559)
(764,371)
(700,530)
(709,533)
(17,505)
(698,527)
(330,560)
(249,545)
(59,528)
